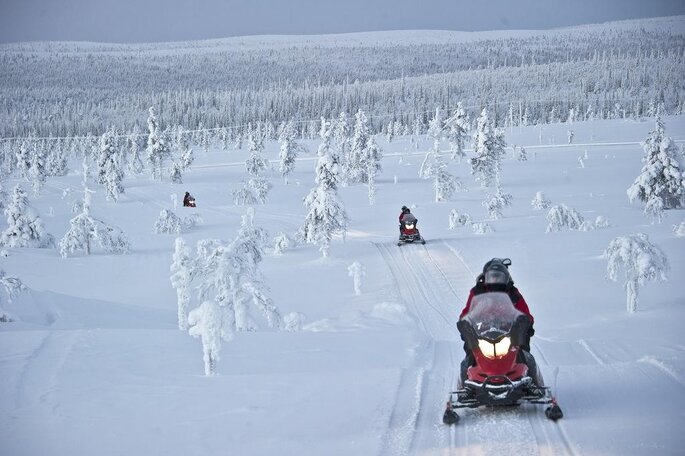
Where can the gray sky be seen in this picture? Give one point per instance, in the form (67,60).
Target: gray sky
(126,21)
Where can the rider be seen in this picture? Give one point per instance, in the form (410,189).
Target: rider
(405,211)
(495,277)
(188,200)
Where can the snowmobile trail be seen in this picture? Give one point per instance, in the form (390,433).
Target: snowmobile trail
(433,281)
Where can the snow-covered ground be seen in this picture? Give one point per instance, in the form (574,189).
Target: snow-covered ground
(97,365)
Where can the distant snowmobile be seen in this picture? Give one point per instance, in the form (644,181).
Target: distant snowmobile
(408,231)
(504,374)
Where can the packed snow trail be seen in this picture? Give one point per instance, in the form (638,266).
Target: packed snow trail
(432,281)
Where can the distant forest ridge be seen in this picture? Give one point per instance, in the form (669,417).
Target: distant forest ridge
(621,69)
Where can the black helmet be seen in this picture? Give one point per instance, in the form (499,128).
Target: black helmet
(496,271)
(405,209)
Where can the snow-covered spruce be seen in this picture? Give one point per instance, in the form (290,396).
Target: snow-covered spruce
(661,177)
(496,202)
(170,223)
(38,171)
(289,149)
(25,228)
(325,211)
(255,164)
(357,271)
(540,202)
(207,321)
(362,157)
(12,286)
(434,167)
(110,166)
(640,260)
(521,154)
(561,217)
(457,219)
(85,230)
(158,148)
(457,130)
(488,147)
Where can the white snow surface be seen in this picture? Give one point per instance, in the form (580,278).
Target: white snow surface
(96,365)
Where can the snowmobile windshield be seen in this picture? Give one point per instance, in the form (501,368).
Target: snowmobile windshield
(408,218)
(492,315)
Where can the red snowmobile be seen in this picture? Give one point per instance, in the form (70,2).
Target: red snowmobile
(503,373)
(408,231)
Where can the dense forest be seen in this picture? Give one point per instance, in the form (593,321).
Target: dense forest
(625,69)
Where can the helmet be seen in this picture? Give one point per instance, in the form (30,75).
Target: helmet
(405,209)
(496,271)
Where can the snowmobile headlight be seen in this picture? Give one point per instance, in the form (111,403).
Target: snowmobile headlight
(492,351)
(409,226)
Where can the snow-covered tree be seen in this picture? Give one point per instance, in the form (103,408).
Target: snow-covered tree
(640,260)
(110,166)
(457,219)
(357,271)
(255,163)
(158,148)
(522,155)
(661,177)
(25,228)
(289,149)
(357,166)
(481,228)
(562,217)
(23,159)
(135,163)
(457,132)
(38,171)
(540,202)
(176,174)
(182,270)
(496,202)
(341,136)
(373,153)
(207,323)
(679,229)
(230,274)
(435,126)
(326,213)
(56,164)
(167,223)
(293,321)
(12,286)
(84,230)
(281,243)
(488,146)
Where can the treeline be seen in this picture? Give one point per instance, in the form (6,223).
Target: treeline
(65,91)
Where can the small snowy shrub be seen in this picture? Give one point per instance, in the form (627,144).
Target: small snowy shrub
(540,202)
(167,223)
(281,243)
(562,217)
(641,261)
(243,196)
(522,156)
(679,229)
(293,321)
(456,219)
(496,202)
(357,270)
(482,228)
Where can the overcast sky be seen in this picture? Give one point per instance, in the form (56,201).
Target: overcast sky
(178,20)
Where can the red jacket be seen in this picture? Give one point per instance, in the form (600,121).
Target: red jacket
(514,294)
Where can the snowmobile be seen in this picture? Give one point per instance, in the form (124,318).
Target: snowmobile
(503,374)
(408,231)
